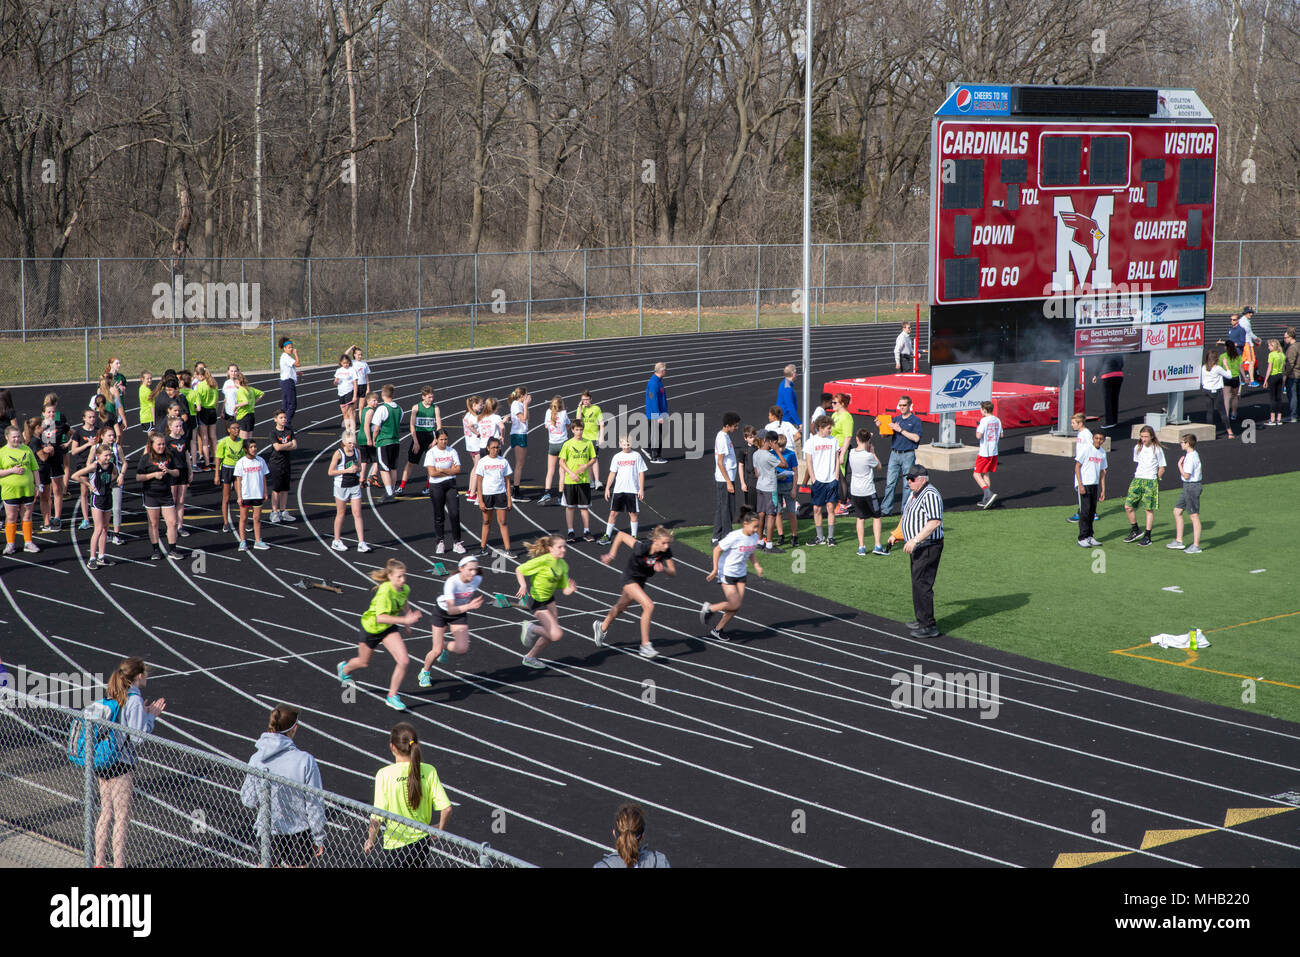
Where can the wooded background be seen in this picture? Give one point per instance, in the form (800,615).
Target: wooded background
(184,128)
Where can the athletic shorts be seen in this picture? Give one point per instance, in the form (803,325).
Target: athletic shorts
(1143,493)
(363,390)
(292,850)
(159,500)
(101,503)
(371,640)
(789,501)
(767,505)
(532,604)
(1189,499)
(367,453)
(387,457)
(554,448)
(184,478)
(114,770)
(227,475)
(1232,381)
(20,500)
(623,502)
(280,477)
(825,493)
(868,506)
(438,618)
(55,462)
(208,416)
(251,502)
(489,502)
(420,445)
(737,580)
(519,440)
(985,464)
(43,473)
(246,422)
(346,493)
(577,495)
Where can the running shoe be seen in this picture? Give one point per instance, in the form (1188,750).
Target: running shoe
(889,545)
(1176,544)
(363,547)
(1132,536)
(10,548)
(1074,517)
(275,518)
(174,553)
(183,532)
(705,612)
(31,548)
(46,527)
(990,500)
(424,680)
(597,634)
(343,675)
(1145,540)
(794,541)
(441,549)
(587,536)
(338,546)
(92,564)
(658,461)
(261,546)
(288,517)
(516,497)
(524,630)
(818,541)
(226,528)
(85,524)
(881,551)
(648,651)
(243,546)
(604,540)
(721,636)
(1085,543)
(571,538)
(533,663)
(458,548)
(401,488)
(443,658)
(106,562)
(115,540)
(485,553)
(388,497)
(1192,550)
(156,555)
(58,524)
(830,542)
(1094,543)
(862,549)
(395,702)
(841,509)
(545,499)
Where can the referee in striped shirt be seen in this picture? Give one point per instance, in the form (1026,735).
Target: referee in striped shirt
(923,535)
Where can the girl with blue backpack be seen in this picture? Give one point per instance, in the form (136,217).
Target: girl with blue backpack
(126,691)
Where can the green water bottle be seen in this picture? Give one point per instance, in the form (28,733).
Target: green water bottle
(1191,639)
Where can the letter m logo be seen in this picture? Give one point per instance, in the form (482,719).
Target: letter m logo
(1082,244)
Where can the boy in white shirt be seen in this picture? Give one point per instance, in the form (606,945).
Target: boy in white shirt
(624,488)
(1144,490)
(989,431)
(1082,442)
(1090,477)
(821,455)
(1189,499)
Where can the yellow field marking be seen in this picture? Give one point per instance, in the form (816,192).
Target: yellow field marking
(1243,624)
(1240,815)
(1083,860)
(1156,838)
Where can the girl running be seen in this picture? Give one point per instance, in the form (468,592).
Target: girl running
(229,451)
(384,623)
(246,397)
(443,465)
(426,418)
(473,405)
(362,369)
(156,472)
(18,470)
(735,551)
(549,573)
(519,402)
(345,381)
(179,445)
(489,485)
(100,477)
(557,433)
(625,489)
(369,454)
(346,468)
(457,600)
(409,789)
(250,488)
(648,557)
(207,393)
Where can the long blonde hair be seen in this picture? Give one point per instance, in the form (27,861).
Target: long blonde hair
(381,575)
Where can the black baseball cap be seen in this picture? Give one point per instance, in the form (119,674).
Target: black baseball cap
(916,471)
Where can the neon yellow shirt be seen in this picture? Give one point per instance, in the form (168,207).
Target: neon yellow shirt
(207,394)
(590,422)
(387,601)
(245,398)
(390,795)
(229,451)
(146,404)
(548,575)
(23,484)
(576,453)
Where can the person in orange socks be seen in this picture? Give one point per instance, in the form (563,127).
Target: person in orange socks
(18,489)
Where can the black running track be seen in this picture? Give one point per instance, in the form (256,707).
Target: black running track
(780,748)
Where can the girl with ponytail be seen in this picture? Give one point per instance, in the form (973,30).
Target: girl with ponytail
(386,622)
(629,842)
(125,687)
(408,788)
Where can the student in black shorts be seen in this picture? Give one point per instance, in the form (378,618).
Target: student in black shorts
(56,437)
(650,556)
(156,472)
(297,821)
(178,446)
(84,437)
(99,478)
(281,475)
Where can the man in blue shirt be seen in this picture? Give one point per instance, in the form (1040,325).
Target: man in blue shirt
(787,399)
(656,408)
(902,453)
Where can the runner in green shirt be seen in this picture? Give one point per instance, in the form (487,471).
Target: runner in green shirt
(593,423)
(842,433)
(18,470)
(208,393)
(1275,381)
(385,623)
(146,399)
(549,573)
(229,451)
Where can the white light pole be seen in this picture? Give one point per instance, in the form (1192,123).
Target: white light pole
(807,209)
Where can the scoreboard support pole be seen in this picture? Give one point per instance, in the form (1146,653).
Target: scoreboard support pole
(947,432)
(1065,399)
(1174,411)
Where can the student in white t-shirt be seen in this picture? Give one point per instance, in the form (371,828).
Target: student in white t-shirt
(345,381)
(250,489)
(821,454)
(229,394)
(725,476)
(738,549)
(1082,442)
(557,433)
(473,446)
(519,402)
(451,612)
(490,485)
(1189,499)
(1090,477)
(362,369)
(288,378)
(442,464)
(1144,490)
(989,432)
(863,465)
(624,488)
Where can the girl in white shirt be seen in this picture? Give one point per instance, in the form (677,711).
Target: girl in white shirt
(737,550)
(519,402)
(362,369)
(345,380)
(473,406)
(457,600)
(557,433)
(1212,385)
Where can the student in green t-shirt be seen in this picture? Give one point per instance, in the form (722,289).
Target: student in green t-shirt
(842,433)
(385,623)
(146,400)
(544,574)
(208,393)
(577,466)
(593,425)
(408,788)
(246,397)
(229,451)
(1274,381)
(18,470)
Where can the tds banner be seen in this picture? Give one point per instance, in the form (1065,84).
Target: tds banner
(959,388)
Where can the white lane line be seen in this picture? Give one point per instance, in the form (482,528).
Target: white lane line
(141,591)
(65,604)
(23,561)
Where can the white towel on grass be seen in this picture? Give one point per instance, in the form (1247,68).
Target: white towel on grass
(1181,641)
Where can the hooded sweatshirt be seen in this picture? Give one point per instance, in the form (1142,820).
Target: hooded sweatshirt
(291,811)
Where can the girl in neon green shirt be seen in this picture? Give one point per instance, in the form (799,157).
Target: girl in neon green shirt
(246,397)
(1274,381)
(18,470)
(384,623)
(208,393)
(146,399)
(549,573)
(408,788)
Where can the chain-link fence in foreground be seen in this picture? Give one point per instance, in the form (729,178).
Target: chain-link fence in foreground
(186,808)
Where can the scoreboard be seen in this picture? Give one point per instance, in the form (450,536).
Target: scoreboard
(1040,193)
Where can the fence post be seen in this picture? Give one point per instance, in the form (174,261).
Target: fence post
(22,293)
(528,306)
(1253,301)
(419,298)
(273,360)
(822,308)
(184,364)
(87,335)
(877,319)
(264,823)
(893,293)
(484,859)
(317,337)
(99,295)
(584,293)
(1238,270)
(758,286)
(309,312)
(640,299)
(88,793)
(473,306)
(365,292)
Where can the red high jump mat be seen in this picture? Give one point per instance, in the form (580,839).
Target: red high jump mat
(1017,404)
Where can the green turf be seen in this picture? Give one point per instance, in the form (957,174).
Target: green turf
(1015,579)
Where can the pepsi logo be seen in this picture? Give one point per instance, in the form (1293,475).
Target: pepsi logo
(964,99)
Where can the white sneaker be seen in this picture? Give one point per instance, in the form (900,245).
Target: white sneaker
(524,629)
(11,548)
(458,548)
(533,663)
(243,546)
(275,518)
(597,634)
(338,545)
(363,547)
(1176,544)
(31,547)
(648,651)
(261,546)
(288,517)
(441,549)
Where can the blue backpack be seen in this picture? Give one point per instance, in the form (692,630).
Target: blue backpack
(106,749)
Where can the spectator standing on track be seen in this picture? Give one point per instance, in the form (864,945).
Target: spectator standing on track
(656,411)
(250,490)
(520,400)
(1112,381)
(988,432)
(288,378)
(116,782)
(18,470)
(1144,490)
(345,383)
(426,419)
(442,463)
(99,478)
(346,468)
(407,788)
(245,401)
(297,821)
(362,369)
(624,488)
(229,451)
(1291,371)
(283,442)
(904,349)
(1189,499)
(724,476)
(229,393)
(922,527)
(1274,382)
(557,433)
(629,842)
(902,453)
(178,445)
(489,484)
(207,393)
(156,471)
(145,395)
(1090,464)
(1212,375)
(385,622)
(648,557)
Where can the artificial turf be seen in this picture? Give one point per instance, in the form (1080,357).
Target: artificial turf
(1015,579)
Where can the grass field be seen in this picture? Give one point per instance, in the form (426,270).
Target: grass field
(1014,579)
(57,356)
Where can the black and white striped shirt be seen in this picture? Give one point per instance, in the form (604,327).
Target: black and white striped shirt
(923,507)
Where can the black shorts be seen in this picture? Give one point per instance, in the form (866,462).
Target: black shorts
(208,416)
(78,463)
(20,500)
(159,499)
(413,855)
(101,503)
(251,502)
(292,850)
(419,445)
(868,506)
(532,604)
(489,502)
(246,422)
(388,457)
(184,478)
(43,472)
(55,462)
(114,770)
(367,453)
(1232,381)
(280,477)
(438,618)
(623,502)
(372,640)
(738,580)
(227,475)
(577,496)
